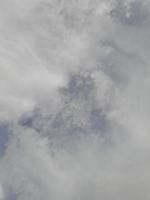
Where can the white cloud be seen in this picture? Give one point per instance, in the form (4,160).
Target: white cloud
(63,62)
(34,64)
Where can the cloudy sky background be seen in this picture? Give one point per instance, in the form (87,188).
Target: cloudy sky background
(74,99)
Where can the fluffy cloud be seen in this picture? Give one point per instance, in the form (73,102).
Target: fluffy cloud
(74,101)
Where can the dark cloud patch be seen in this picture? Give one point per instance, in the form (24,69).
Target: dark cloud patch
(4,137)
(132,14)
(98,121)
(10,194)
(26,120)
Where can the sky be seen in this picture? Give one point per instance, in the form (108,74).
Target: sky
(74,99)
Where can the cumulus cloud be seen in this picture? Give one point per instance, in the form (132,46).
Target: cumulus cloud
(74,99)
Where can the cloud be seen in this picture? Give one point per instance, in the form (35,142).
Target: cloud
(1,193)
(74,101)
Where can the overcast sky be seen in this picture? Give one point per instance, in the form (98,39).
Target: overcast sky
(74,99)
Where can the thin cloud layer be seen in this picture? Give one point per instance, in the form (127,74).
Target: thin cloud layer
(74,100)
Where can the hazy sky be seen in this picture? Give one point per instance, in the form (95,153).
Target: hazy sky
(74,99)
